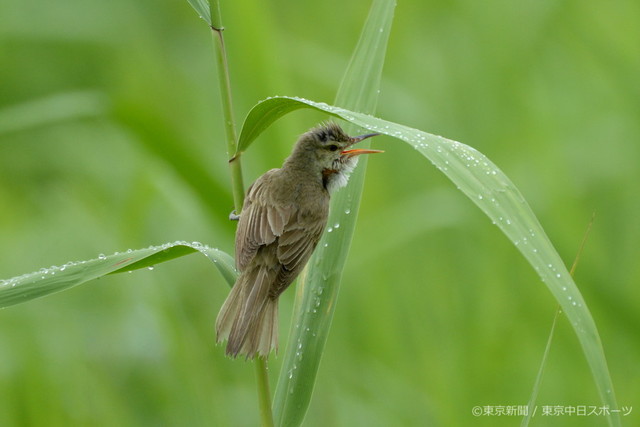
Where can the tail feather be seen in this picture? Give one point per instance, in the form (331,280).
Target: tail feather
(263,336)
(249,317)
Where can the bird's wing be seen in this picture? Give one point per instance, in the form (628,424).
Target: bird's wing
(295,246)
(270,216)
(262,220)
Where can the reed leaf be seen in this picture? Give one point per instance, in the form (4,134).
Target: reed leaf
(489,189)
(319,283)
(58,278)
(202,9)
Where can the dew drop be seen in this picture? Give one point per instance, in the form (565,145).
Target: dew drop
(102,256)
(329,230)
(347,211)
(150,268)
(337,225)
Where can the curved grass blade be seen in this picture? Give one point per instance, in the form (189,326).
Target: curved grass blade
(55,279)
(52,109)
(202,8)
(494,193)
(319,284)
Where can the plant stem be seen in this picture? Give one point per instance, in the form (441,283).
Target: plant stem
(224,81)
(237,186)
(264,396)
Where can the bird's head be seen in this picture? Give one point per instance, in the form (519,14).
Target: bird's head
(325,149)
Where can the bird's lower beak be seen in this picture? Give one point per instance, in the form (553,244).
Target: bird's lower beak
(357,151)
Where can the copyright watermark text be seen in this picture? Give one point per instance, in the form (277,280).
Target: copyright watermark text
(548,411)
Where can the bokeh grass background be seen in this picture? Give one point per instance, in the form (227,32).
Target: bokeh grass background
(438,312)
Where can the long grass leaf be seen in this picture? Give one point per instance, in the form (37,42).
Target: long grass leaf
(318,285)
(58,278)
(52,109)
(202,9)
(545,356)
(494,193)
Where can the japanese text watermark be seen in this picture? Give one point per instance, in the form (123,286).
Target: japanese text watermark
(548,411)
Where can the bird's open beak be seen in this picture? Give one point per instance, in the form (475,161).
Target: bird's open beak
(358,151)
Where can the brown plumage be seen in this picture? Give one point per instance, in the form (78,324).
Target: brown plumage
(284,215)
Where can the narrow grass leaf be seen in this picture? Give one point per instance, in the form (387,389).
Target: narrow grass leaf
(58,278)
(202,9)
(494,193)
(319,284)
(53,109)
(538,381)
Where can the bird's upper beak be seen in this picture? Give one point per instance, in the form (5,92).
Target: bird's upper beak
(358,151)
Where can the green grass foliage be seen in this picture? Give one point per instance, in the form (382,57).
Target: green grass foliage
(111,138)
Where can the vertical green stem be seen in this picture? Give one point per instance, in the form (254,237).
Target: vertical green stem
(237,187)
(264,395)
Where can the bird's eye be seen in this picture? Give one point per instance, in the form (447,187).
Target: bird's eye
(333,147)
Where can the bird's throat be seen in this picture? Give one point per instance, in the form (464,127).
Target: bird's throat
(333,179)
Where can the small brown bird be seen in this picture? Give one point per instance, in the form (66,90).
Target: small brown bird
(285,213)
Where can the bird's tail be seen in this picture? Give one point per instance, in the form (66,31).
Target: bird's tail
(248,318)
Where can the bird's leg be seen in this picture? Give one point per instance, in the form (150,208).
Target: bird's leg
(233,216)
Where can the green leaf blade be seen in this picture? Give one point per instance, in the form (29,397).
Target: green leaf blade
(494,193)
(54,279)
(53,109)
(319,284)
(202,9)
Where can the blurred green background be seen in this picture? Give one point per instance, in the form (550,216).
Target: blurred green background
(111,138)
